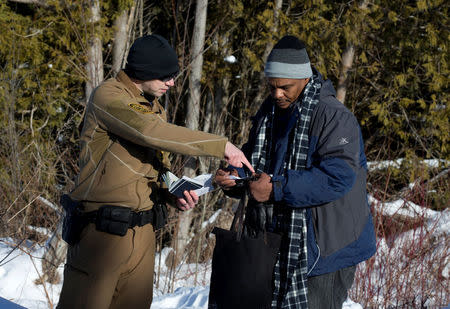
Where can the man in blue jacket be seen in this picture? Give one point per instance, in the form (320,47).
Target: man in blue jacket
(308,152)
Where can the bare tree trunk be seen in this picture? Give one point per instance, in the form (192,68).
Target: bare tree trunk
(120,41)
(276,16)
(218,97)
(37,2)
(222,92)
(130,34)
(122,38)
(347,62)
(216,109)
(209,110)
(198,41)
(221,101)
(56,248)
(141,18)
(94,65)
(192,117)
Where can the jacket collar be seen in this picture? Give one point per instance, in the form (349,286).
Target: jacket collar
(124,79)
(140,96)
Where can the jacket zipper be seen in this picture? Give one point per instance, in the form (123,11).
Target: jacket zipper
(317,260)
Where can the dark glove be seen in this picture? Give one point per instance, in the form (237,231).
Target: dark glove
(262,188)
(257,217)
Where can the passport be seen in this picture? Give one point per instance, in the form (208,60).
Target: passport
(200,184)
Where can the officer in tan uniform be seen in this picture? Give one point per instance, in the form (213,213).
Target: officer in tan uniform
(116,204)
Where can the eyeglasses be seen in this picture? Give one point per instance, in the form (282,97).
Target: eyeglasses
(168,77)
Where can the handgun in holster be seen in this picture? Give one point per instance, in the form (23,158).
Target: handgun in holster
(74,222)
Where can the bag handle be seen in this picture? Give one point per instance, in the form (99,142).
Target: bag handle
(238,220)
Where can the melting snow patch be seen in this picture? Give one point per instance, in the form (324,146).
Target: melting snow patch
(230,59)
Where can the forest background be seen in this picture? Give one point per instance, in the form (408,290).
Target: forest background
(387,59)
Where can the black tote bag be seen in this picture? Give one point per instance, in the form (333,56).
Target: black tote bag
(242,267)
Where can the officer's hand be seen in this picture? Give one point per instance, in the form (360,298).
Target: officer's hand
(261,189)
(234,156)
(189,201)
(222,178)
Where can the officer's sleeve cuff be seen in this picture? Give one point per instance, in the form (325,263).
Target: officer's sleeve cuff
(278,183)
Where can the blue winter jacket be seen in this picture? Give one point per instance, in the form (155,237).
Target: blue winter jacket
(332,188)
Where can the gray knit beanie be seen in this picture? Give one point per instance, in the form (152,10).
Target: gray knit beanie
(288,59)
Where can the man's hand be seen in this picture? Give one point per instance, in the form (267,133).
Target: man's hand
(261,189)
(234,156)
(189,201)
(222,178)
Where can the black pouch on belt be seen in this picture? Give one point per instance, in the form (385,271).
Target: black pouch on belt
(113,219)
(74,222)
(160,215)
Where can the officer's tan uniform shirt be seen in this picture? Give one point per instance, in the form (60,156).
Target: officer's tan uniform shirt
(123,136)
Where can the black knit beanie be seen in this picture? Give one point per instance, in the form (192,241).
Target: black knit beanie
(288,59)
(151,57)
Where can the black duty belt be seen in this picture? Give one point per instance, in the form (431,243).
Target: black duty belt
(110,219)
(117,220)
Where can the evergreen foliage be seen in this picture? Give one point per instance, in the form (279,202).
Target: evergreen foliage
(402,76)
(398,86)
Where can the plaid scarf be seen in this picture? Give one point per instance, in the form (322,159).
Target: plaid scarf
(290,273)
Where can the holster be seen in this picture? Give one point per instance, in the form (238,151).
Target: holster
(74,222)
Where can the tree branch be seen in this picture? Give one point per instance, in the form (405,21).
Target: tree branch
(37,2)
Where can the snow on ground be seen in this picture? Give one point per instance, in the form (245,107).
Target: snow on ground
(20,268)
(194,297)
(187,286)
(439,221)
(190,298)
(377,165)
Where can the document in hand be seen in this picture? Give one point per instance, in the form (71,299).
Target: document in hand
(200,184)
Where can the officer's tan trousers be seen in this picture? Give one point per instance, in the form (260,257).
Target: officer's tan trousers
(109,271)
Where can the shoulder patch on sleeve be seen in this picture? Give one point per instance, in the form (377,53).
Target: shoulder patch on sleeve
(140,109)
